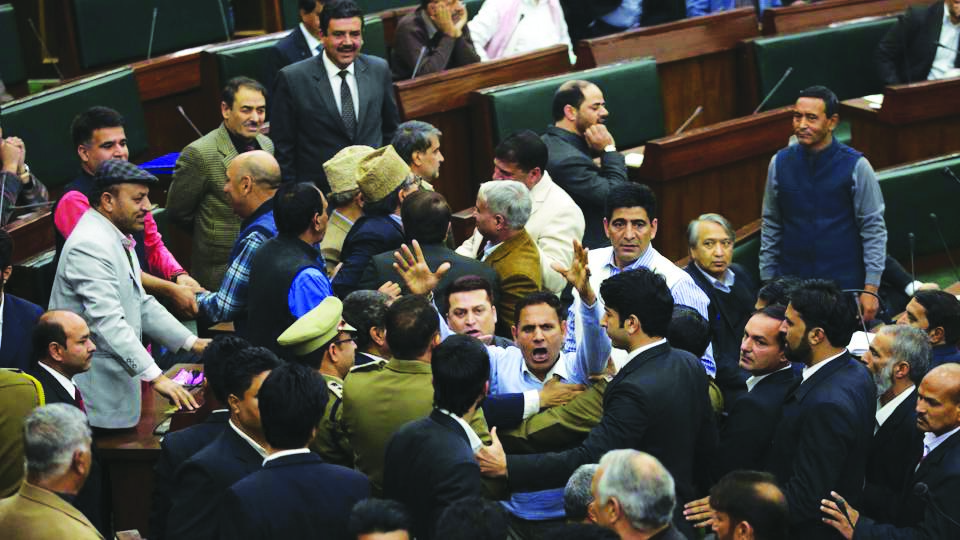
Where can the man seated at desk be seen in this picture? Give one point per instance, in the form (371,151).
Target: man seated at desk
(922,45)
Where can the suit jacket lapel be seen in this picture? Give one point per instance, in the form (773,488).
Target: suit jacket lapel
(634,364)
(365,83)
(322,83)
(225,146)
(303,48)
(934,458)
(889,428)
(450,424)
(821,375)
(933,24)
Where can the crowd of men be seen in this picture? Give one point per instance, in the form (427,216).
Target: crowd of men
(552,376)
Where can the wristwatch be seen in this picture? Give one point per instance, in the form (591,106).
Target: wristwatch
(610,148)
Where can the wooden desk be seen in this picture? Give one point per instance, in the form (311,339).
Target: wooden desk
(442,99)
(129,455)
(696,62)
(801,17)
(720,168)
(917,121)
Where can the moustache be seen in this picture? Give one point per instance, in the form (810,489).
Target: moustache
(346,48)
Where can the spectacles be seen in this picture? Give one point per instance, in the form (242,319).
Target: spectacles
(344,340)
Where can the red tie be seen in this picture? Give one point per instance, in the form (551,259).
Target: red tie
(78,399)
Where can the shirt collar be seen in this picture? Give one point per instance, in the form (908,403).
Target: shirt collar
(884,411)
(350,221)
(809,371)
(333,72)
(65,382)
(284,453)
(312,42)
(490,248)
(724,284)
(475,443)
(931,441)
(643,261)
(753,380)
(620,361)
(254,444)
(559,368)
(398,219)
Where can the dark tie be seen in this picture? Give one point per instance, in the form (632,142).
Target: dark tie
(78,399)
(346,106)
(956,63)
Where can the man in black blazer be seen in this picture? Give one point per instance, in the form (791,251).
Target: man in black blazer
(295,494)
(18,315)
(929,505)
(746,434)
(426,219)
(301,43)
(732,294)
(898,358)
(823,438)
(657,402)
(337,99)
(429,462)
(203,480)
(63,348)
(179,446)
(909,51)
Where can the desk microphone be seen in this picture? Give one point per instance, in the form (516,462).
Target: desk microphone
(922,490)
(153,28)
(943,242)
(223,19)
(948,172)
(690,120)
(183,113)
(416,67)
(773,90)
(949,48)
(55,62)
(913,270)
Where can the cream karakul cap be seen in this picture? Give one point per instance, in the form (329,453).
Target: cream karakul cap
(343,169)
(381,172)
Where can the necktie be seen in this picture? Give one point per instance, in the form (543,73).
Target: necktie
(346,106)
(956,63)
(78,399)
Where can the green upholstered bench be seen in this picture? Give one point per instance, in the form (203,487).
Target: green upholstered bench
(374,41)
(12,70)
(836,57)
(912,193)
(747,254)
(630,89)
(43,121)
(247,58)
(181,24)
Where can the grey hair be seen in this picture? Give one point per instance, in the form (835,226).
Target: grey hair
(910,345)
(413,136)
(577,494)
(51,435)
(641,484)
(692,236)
(509,198)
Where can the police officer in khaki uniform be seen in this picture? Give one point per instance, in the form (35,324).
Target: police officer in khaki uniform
(323,341)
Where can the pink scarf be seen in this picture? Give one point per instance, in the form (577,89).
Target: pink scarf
(508,25)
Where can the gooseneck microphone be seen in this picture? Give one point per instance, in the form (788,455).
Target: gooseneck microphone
(690,120)
(913,270)
(943,242)
(773,90)
(922,490)
(949,173)
(153,30)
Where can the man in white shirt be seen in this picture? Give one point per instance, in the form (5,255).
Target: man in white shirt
(301,43)
(898,358)
(922,45)
(509,27)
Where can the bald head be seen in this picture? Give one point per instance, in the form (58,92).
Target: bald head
(61,340)
(938,400)
(252,178)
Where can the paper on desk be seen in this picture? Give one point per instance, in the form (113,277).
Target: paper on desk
(874,100)
(633,160)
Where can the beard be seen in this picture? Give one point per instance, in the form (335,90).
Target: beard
(803,353)
(884,379)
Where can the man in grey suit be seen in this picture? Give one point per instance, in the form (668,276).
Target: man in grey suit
(334,100)
(99,277)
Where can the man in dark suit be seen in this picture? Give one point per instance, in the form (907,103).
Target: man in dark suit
(577,136)
(18,315)
(938,314)
(898,358)
(385,181)
(63,348)
(426,219)
(338,99)
(929,506)
(746,434)
(202,481)
(367,311)
(295,494)
(823,437)
(910,51)
(657,402)
(732,296)
(179,446)
(301,43)
(429,462)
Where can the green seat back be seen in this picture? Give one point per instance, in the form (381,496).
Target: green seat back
(12,70)
(374,41)
(181,24)
(911,193)
(43,121)
(631,90)
(838,58)
(747,254)
(249,60)
(290,11)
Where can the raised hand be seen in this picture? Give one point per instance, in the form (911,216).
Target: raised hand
(413,269)
(578,274)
